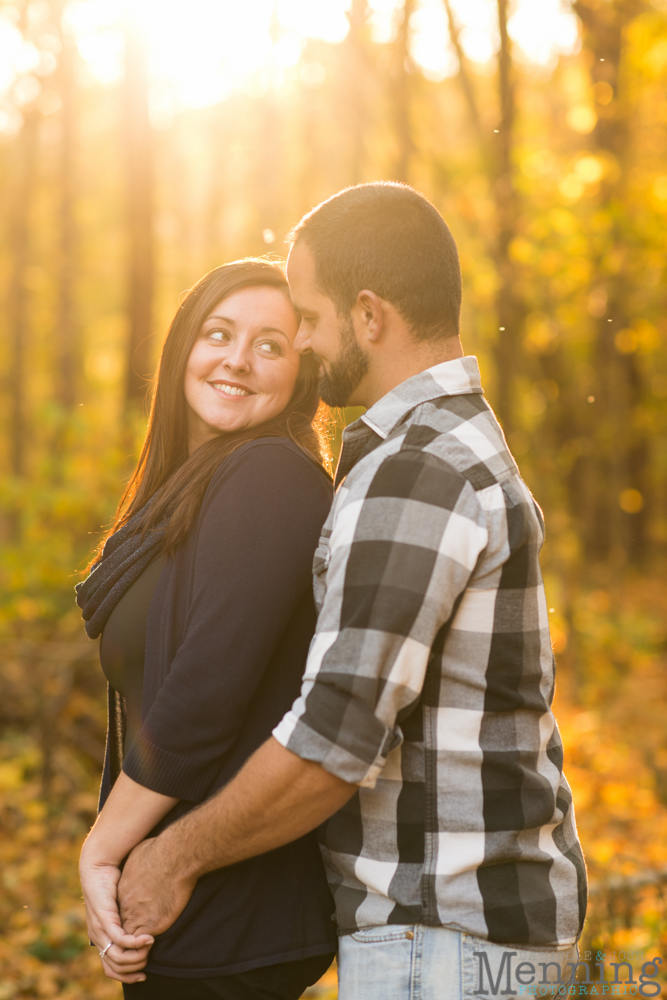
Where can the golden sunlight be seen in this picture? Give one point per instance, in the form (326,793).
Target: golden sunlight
(201,51)
(198,53)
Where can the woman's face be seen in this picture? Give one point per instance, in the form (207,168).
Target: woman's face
(243,366)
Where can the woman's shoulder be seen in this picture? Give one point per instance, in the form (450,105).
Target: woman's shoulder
(275,463)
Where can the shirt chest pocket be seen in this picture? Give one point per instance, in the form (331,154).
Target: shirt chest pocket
(321,561)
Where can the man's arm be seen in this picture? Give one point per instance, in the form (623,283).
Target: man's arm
(275,798)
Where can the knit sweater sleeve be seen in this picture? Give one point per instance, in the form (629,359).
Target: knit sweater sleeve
(256,534)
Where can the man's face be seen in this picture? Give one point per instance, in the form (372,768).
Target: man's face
(343,364)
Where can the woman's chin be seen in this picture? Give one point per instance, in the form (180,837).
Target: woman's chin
(237,422)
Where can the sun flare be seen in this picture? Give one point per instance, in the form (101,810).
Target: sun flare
(200,52)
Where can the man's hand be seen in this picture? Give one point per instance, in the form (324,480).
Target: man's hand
(275,798)
(151,896)
(128,954)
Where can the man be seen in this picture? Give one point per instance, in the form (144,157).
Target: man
(423,739)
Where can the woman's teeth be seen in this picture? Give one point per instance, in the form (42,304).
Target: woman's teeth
(231,390)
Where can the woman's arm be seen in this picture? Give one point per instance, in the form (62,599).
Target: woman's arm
(251,569)
(129,814)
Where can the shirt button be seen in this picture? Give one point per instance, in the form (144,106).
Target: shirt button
(409,935)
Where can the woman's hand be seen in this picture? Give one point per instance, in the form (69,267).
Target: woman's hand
(128,954)
(129,814)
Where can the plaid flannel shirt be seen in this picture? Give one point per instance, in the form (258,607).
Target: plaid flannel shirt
(430,678)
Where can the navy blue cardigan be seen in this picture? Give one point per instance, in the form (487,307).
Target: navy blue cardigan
(226,643)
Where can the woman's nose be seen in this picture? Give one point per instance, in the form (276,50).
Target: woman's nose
(237,357)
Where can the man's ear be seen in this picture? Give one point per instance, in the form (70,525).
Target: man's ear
(369,314)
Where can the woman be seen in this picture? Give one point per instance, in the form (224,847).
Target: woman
(203,600)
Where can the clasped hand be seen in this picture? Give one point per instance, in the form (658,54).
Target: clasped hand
(128,953)
(129,911)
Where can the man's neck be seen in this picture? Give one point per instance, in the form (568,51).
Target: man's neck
(388,372)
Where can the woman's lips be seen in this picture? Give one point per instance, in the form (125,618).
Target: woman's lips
(231,390)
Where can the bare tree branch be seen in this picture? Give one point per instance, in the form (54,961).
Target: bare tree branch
(464,75)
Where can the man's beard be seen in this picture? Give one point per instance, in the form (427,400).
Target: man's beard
(346,372)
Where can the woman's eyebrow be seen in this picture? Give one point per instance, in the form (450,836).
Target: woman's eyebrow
(274,329)
(231,322)
(225,319)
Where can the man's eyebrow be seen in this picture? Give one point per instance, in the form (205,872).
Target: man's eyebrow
(302,310)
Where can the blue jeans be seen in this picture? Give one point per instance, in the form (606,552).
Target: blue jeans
(413,962)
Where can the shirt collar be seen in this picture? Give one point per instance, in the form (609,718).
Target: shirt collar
(449,378)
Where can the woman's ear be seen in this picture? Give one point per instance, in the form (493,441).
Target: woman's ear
(369,314)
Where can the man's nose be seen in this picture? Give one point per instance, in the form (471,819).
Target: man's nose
(302,340)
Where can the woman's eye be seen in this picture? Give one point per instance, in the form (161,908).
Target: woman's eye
(219,336)
(270,347)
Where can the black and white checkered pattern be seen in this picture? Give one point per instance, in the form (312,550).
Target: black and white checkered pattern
(430,679)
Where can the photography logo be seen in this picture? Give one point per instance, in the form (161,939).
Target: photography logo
(552,979)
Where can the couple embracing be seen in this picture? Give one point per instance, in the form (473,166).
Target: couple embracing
(376,773)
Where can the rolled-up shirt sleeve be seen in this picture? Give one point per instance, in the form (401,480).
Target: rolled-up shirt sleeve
(400,555)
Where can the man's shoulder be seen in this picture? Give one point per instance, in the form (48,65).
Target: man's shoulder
(457,435)
(462,432)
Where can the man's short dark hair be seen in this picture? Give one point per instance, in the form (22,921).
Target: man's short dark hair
(391,240)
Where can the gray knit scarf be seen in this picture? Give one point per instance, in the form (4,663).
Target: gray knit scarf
(124,557)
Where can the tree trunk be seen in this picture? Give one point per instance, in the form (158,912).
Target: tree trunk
(620,457)
(496,158)
(66,322)
(269,166)
(309,166)
(510,311)
(17,305)
(400,92)
(140,253)
(218,185)
(356,97)
(464,76)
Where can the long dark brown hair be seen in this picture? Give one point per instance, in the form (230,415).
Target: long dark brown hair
(174,482)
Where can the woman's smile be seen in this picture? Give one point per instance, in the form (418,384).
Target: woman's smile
(231,390)
(243,367)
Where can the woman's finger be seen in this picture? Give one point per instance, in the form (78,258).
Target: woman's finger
(103,932)
(126,970)
(106,927)
(126,960)
(127,977)
(127,941)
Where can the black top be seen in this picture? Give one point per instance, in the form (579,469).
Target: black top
(123,645)
(227,637)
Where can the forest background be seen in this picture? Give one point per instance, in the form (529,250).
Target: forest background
(143,144)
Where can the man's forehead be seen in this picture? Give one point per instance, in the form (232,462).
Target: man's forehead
(300,262)
(301,276)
